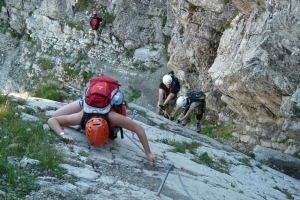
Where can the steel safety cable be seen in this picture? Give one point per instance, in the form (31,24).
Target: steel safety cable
(166,166)
(170,167)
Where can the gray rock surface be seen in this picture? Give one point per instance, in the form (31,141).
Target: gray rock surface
(119,169)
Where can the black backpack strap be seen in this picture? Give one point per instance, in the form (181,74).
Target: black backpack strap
(119,110)
(122,135)
(112,135)
(84,120)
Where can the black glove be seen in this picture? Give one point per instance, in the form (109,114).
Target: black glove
(172,118)
(162,107)
(178,121)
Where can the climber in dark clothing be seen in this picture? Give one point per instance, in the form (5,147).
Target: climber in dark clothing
(167,94)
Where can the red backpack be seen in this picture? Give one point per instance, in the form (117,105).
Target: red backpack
(100,91)
(101,96)
(94,23)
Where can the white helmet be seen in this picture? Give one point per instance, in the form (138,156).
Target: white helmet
(167,79)
(181,101)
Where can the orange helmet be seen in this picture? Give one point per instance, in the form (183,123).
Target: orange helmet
(97,131)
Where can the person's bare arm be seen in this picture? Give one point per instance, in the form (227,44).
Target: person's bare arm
(67,109)
(122,121)
(56,124)
(161,93)
(188,113)
(176,111)
(169,98)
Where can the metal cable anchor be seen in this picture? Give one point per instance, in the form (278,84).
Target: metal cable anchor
(171,167)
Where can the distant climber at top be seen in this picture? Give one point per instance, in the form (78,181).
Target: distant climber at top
(95,23)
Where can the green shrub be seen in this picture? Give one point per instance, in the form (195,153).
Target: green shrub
(50,91)
(135,94)
(153,48)
(191,8)
(227,26)
(45,64)
(167,42)
(2,3)
(220,165)
(208,130)
(130,53)
(70,72)
(182,146)
(142,113)
(246,162)
(83,3)
(204,158)
(225,131)
(297,154)
(79,57)
(28,38)
(75,26)
(284,191)
(142,68)
(107,17)
(163,20)
(218,131)
(152,69)
(251,154)
(86,76)
(15,34)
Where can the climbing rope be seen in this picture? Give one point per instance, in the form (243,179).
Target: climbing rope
(169,167)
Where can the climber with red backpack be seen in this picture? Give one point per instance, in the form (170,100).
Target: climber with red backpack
(95,21)
(95,24)
(101,112)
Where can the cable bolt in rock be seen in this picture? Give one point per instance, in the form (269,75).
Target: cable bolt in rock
(171,167)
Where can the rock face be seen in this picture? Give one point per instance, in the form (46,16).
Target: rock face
(243,54)
(257,72)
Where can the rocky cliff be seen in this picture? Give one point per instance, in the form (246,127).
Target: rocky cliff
(246,55)
(243,54)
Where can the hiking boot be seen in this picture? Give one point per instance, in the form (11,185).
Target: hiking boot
(184,122)
(159,111)
(198,127)
(114,135)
